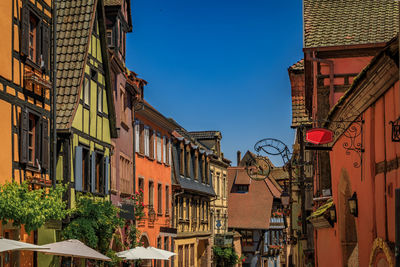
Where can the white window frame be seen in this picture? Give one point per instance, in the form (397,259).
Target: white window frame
(164,149)
(158,136)
(146,141)
(137,136)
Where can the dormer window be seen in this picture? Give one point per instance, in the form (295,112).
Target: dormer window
(242,188)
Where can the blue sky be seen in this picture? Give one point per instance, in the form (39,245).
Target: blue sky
(219,65)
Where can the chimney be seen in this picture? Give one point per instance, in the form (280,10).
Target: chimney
(238,157)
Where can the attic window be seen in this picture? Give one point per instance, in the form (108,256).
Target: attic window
(242,188)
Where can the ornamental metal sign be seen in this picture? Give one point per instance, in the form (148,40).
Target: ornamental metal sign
(319,136)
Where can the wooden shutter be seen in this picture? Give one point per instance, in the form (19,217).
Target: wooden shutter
(141,141)
(93,172)
(24,40)
(45,46)
(45,144)
(24,135)
(106,174)
(78,168)
(38,43)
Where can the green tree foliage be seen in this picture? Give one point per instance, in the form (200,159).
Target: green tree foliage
(225,257)
(94,223)
(31,208)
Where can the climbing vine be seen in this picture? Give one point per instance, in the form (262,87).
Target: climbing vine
(21,205)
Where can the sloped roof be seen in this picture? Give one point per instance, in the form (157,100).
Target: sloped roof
(349,22)
(298,66)
(250,210)
(297,81)
(74,20)
(205,134)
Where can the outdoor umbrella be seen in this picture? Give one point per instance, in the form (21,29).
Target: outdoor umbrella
(75,249)
(8,244)
(141,253)
(165,253)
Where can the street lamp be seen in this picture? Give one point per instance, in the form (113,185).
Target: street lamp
(332,213)
(353,204)
(285,198)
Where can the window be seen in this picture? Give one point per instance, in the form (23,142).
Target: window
(166,247)
(194,210)
(180,208)
(33,23)
(151,194)
(247,237)
(191,255)
(141,184)
(100,182)
(224,187)
(188,162)
(206,211)
(187,209)
(169,152)
(34,140)
(137,136)
(122,104)
(158,262)
(159,147)
(218,185)
(201,211)
(180,256)
(85,169)
(141,139)
(182,159)
(166,200)
(242,188)
(125,174)
(35,37)
(164,151)
(110,41)
(196,165)
(186,255)
(86,91)
(99,99)
(159,199)
(146,141)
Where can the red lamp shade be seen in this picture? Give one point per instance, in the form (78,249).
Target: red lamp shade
(319,136)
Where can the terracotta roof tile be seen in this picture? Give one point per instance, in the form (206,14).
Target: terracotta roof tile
(250,210)
(349,22)
(72,17)
(205,134)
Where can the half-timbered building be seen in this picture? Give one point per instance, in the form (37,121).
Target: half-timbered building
(25,107)
(85,108)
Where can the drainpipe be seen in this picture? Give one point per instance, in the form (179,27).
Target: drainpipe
(331,75)
(54,97)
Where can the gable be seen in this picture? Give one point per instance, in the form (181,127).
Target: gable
(81,42)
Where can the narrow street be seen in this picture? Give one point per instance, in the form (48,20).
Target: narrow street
(200,134)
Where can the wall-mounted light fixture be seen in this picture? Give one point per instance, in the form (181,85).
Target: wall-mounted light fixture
(353,205)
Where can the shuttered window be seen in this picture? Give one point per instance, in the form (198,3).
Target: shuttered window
(164,151)
(146,141)
(166,200)
(137,136)
(169,152)
(159,147)
(35,38)
(151,146)
(34,140)
(159,199)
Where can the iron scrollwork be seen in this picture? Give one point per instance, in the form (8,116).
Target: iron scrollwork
(352,130)
(259,167)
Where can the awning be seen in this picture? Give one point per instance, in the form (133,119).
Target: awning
(142,253)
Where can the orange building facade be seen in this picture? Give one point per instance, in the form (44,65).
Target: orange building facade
(25,91)
(153,178)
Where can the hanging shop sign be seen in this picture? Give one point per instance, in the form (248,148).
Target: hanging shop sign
(319,136)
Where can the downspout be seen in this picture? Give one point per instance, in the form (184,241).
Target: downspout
(331,75)
(54,96)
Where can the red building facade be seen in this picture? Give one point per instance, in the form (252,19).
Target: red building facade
(350,86)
